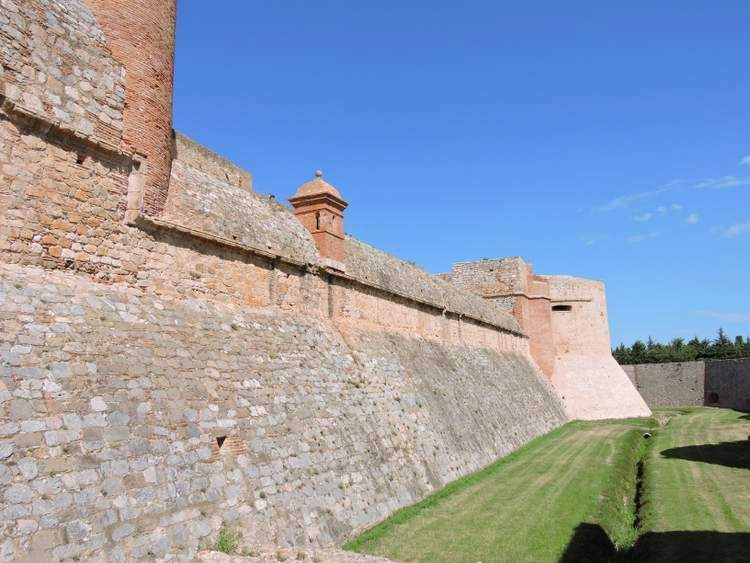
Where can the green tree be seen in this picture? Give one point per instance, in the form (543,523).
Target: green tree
(638,352)
(677,350)
(622,354)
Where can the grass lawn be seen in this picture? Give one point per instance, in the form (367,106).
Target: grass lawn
(570,496)
(697,489)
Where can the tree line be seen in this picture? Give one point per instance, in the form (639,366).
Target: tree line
(720,348)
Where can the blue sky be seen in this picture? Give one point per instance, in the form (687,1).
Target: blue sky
(596,139)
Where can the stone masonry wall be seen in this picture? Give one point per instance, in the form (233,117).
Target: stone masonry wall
(170,369)
(589,380)
(55,64)
(209,204)
(377,268)
(566,321)
(723,383)
(49,220)
(60,203)
(728,383)
(141,35)
(112,401)
(197,156)
(491,278)
(133,348)
(678,384)
(508,283)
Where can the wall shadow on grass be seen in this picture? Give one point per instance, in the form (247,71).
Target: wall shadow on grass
(590,544)
(729,454)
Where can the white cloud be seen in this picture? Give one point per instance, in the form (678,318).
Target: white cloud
(692,219)
(592,239)
(661,210)
(723,183)
(644,236)
(738,229)
(745,161)
(718,183)
(625,200)
(726,316)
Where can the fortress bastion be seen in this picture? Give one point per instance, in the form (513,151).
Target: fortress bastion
(179,353)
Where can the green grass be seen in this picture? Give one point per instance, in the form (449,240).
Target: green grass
(227,541)
(570,496)
(697,489)
(526,506)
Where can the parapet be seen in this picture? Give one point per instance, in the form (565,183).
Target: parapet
(571,288)
(193,154)
(579,320)
(207,204)
(210,207)
(499,279)
(377,268)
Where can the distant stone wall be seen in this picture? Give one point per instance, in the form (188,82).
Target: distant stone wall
(728,383)
(678,384)
(723,383)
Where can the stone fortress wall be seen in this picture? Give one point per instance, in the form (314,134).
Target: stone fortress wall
(727,384)
(723,383)
(115,402)
(186,151)
(141,37)
(181,353)
(56,65)
(566,321)
(677,384)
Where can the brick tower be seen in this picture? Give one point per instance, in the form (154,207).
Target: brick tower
(320,208)
(141,36)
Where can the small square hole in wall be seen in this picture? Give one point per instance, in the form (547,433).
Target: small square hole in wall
(80,158)
(228,446)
